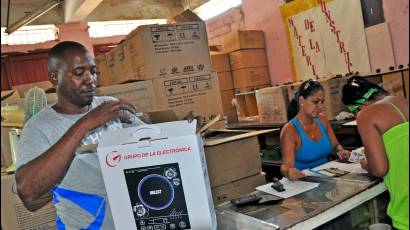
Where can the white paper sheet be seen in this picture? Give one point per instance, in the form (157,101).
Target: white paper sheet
(352,123)
(292,188)
(351,167)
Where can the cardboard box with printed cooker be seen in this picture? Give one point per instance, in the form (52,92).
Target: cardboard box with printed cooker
(156,177)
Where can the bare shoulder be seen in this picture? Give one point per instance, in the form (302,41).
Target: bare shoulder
(288,130)
(324,120)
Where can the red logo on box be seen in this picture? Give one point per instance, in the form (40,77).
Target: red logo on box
(113,158)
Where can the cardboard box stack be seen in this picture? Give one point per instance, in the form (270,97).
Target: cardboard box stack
(220,64)
(234,164)
(173,60)
(333,87)
(247,56)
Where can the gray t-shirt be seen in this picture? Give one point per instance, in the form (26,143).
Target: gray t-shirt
(80,197)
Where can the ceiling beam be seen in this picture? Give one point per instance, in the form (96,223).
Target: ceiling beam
(78,10)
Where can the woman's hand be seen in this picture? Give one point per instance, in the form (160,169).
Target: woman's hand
(342,153)
(364,164)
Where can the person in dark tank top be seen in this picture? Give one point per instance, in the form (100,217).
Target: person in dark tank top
(308,139)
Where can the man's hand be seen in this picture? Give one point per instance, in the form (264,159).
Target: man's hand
(199,119)
(294,174)
(106,112)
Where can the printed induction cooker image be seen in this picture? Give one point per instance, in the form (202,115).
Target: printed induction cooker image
(157,197)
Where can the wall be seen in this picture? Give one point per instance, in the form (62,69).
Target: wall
(222,24)
(265,15)
(396,14)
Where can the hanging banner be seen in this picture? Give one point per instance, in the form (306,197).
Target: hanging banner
(326,38)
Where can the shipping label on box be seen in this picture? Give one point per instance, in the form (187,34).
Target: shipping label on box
(14,215)
(140,94)
(169,50)
(272,104)
(197,92)
(156,177)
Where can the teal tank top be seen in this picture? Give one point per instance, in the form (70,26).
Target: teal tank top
(311,153)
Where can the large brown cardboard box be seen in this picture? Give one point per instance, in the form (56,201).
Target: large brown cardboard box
(22,89)
(141,94)
(103,77)
(249,77)
(15,216)
(393,83)
(333,96)
(231,156)
(228,108)
(220,62)
(119,67)
(248,58)
(243,39)
(168,50)
(237,188)
(225,80)
(272,104)
(196,92)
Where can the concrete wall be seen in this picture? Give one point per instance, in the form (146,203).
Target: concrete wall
(396,14)
(220,25)
(265,15)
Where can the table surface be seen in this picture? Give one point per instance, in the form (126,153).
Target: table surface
(333,197)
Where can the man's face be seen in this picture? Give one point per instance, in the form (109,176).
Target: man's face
(77,78)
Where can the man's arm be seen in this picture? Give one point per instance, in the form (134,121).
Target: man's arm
(39,176)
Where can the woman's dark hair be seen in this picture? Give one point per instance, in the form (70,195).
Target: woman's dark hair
(306,89)
(356,87)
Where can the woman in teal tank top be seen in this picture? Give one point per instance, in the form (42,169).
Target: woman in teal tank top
(307,139)
(384,129)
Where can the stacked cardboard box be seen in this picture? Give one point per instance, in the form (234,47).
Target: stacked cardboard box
(14,215)
(247,58)
(171,59)
(220,64)
(234,164)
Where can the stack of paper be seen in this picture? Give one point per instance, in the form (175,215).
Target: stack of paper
(292,188)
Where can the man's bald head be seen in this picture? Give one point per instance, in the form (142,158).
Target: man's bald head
(56,54)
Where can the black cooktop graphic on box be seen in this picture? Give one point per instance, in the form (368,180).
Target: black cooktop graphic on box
(157,197)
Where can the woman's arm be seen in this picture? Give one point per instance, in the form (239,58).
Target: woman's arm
(288,148)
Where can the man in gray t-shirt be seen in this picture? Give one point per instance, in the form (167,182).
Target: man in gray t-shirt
(48,157)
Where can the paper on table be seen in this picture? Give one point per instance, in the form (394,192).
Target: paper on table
(292,188)
(350,167)
(352,123)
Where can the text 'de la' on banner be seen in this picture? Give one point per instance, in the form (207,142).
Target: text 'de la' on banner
(325,38)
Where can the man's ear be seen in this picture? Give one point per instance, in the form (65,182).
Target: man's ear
(53,77)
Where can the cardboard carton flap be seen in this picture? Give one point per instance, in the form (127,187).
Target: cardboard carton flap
(143,134)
